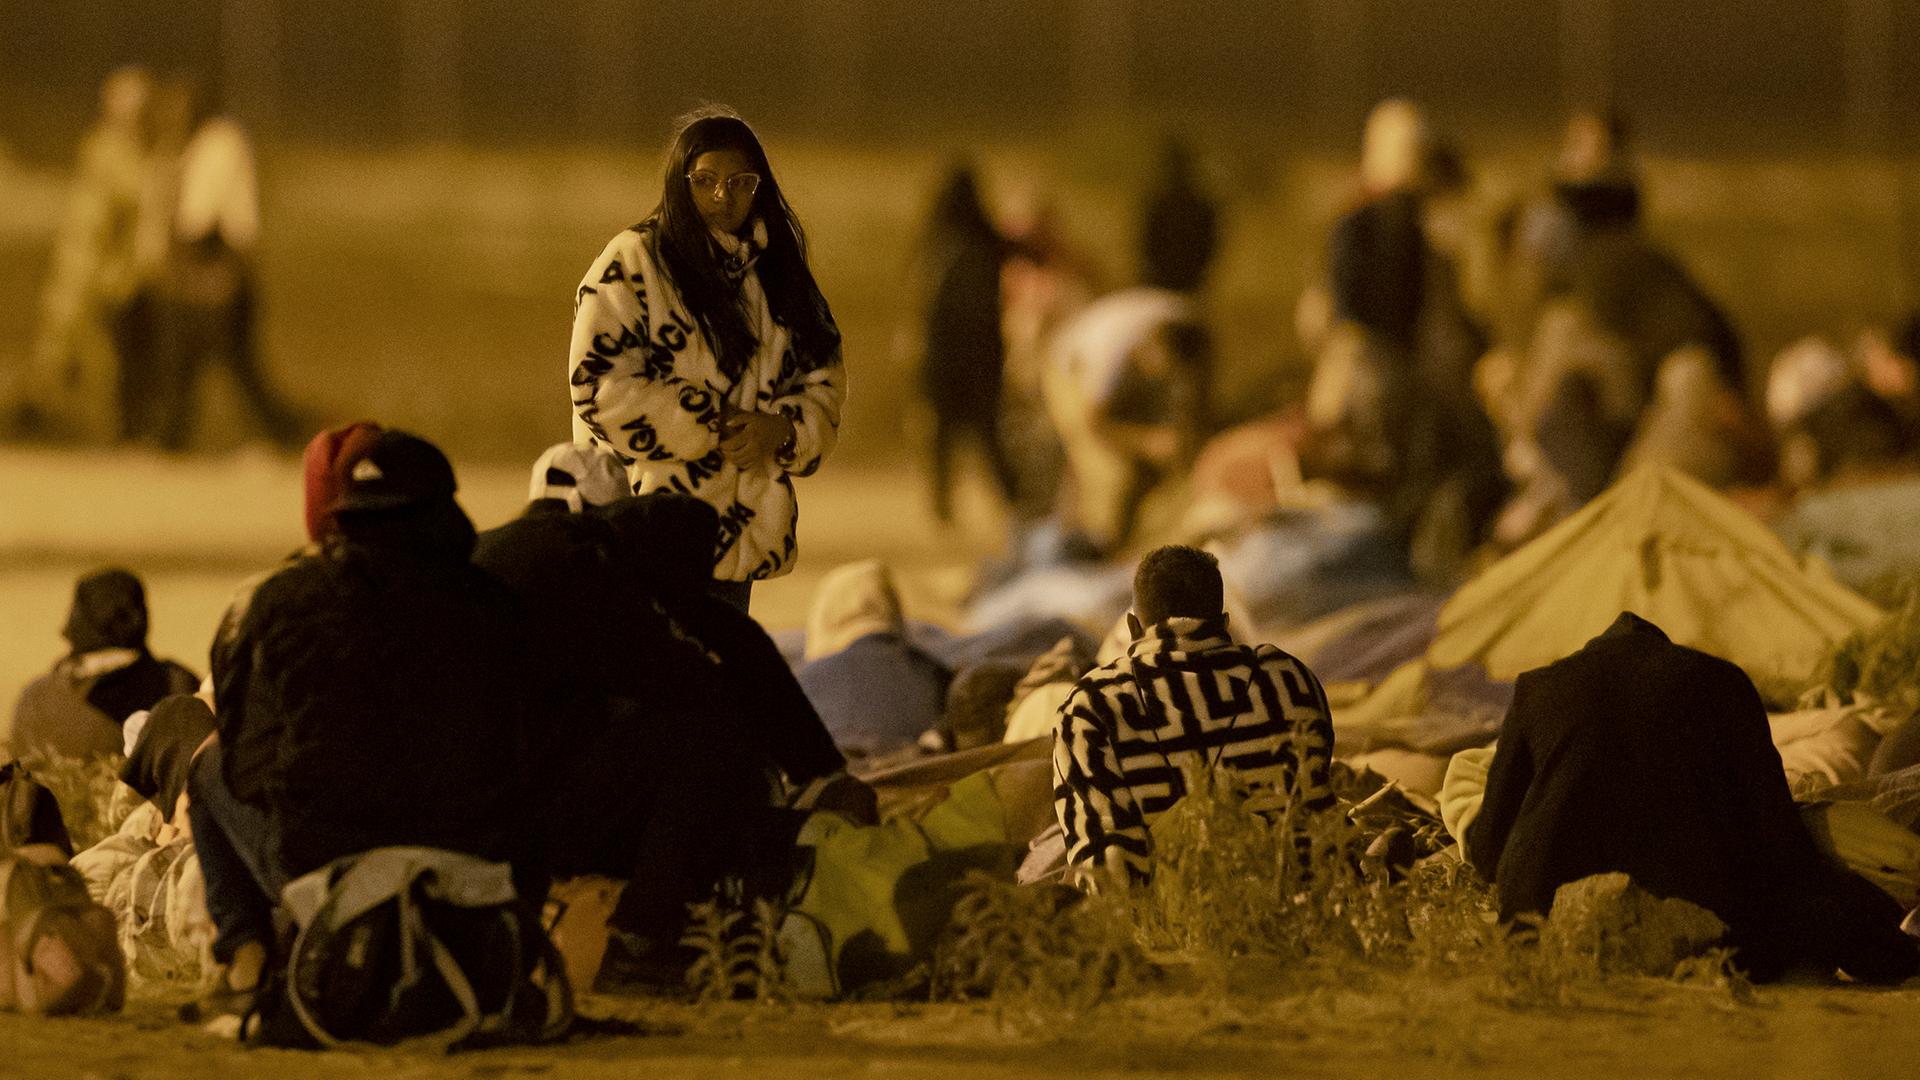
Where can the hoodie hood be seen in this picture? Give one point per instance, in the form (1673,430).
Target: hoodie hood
(109,612)
(852,602)
(668,538)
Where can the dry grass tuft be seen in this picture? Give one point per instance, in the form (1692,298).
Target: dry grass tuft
(1042,951)
(85,790)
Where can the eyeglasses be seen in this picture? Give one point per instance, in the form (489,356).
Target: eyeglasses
(709,184)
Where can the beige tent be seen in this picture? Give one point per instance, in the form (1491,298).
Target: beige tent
(1656,543)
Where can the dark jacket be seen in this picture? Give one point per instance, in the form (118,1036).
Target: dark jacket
(1376,267)
(680,643)
(548,555)
(1641,756)
(674,709)
(380,694)
(965,355)
(1641,292)
(76,709)
(1178,234)
(163,757)
(552,560)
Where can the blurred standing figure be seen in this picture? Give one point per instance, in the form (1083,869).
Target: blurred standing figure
(703,354)
(1047,279)
(73,382)
(1390,409)
(1611,352)
(963,356)
(1179,230)
(202,226)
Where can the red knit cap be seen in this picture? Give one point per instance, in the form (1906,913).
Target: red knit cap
(324,471)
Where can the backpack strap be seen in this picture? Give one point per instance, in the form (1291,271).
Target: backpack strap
(414,930)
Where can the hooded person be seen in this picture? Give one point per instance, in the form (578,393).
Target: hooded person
(550,555)
(378,693)
(1639,756)
(656,538)
(716,726)
(877,692)
(555,557)
(77,709)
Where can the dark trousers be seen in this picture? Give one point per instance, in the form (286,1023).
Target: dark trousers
(707,828)
(190,336)
(201,313)
(982,426)
(239,858)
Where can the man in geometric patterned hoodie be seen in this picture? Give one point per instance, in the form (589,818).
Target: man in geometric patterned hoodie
(1185,696)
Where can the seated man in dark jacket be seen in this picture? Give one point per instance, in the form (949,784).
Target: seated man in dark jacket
(376,694)
(76,709)
(1644,757)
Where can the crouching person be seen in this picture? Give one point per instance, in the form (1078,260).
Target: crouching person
(1185,698)
(376,699)
(713,741)
(1640,756)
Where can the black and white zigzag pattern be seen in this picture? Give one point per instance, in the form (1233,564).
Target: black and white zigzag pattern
(1185,697)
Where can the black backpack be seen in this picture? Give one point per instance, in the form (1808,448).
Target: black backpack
(413,945)
(29,813)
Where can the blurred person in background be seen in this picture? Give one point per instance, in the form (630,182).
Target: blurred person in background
(1179,223)
(962,352)
(1611,351)
(200,231)
(1127,385)
(1391,410)
(1592,189)
(1048,278)
(1891,363)
(73,383)
(1832,426)
(703,354)
(877,691)
(76,710)
(1361,392)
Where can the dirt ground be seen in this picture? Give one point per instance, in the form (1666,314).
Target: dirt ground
(1392,1027)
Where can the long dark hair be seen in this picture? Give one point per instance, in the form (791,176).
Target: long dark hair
(696,266)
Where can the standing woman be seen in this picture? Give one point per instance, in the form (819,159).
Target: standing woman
(704,355)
